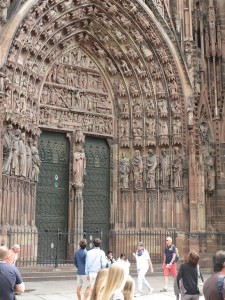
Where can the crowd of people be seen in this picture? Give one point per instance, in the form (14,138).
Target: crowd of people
(101,277)
(105,278)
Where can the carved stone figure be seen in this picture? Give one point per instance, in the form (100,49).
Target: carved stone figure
(29,158)
(164,169)
(190,112)
(22,156)
(188,53)
(177,168)
(124,67)
(2,82)
(137,168)
(4,5)
(151,166)
(124,171)
(164,128)
(210,171)
(177,126)
(79,165)
(36,162)
(110,67)
(7,142)
(147,53)
(15,152)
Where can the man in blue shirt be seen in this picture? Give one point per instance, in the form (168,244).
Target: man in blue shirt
(169,264)
(10,278)
(79,261)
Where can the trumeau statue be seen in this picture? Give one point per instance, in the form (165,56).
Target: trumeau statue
(79,166)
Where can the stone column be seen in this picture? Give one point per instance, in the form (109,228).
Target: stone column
(78,169)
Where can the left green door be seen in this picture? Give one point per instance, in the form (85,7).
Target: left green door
(52,198)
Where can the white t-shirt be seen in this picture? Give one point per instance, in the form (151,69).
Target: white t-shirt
(142,260)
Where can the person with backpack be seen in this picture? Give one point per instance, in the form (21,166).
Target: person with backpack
(169,262)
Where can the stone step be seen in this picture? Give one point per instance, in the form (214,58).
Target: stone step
(70,273)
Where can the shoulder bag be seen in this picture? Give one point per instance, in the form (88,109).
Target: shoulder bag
(199,282)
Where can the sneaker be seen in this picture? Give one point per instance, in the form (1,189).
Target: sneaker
(138,294)
(164,290)
(150,291)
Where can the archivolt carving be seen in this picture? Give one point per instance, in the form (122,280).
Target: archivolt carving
(74,63)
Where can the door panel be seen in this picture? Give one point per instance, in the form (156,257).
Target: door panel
(96,186)
(52,196)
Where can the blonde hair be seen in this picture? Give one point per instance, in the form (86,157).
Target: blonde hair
(129,287)
(115,281)
(99,284)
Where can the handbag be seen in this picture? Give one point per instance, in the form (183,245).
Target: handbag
(199,282)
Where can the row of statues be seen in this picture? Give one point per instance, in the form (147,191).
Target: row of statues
(20,156)
(170,170)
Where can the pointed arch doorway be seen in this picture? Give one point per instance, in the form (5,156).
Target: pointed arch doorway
(96,189)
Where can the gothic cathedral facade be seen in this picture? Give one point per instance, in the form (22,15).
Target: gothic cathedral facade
(112,116)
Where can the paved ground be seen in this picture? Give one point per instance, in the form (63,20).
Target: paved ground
(65,290)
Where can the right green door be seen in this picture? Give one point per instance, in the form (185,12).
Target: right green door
(96,187)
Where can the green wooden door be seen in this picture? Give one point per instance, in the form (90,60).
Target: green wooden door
(96,187)
(52,197)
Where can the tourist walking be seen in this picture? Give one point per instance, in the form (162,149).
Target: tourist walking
(188,273)
(79,261)
(169,264)
(144,262)
(95,261)
(214,286)
(124,261)
(10,278)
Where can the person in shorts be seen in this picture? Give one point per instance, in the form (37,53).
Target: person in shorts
(95,261)
(79,261)
(169,265)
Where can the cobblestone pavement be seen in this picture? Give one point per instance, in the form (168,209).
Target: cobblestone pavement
(65,290)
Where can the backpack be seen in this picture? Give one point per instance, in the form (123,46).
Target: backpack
(177,255)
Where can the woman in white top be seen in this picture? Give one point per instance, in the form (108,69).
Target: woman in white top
(143,263)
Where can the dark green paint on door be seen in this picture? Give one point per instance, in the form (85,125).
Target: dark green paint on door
(52,196)
(96,186)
